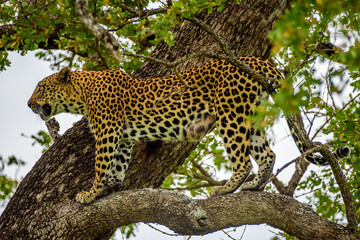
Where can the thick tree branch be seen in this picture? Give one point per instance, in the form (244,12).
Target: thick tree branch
(197,217)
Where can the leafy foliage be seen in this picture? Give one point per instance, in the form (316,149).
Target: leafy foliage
(42,138)
(128,231)
(8,184)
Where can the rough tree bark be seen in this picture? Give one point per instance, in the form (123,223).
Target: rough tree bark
(44,206)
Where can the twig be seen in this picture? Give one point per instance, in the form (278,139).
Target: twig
(242,235)
(138,14)
(303,194)
(156,229)
(228,235)
(285,166)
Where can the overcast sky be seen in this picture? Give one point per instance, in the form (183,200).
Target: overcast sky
(16,86)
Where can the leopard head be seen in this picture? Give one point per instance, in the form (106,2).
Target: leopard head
(50,95)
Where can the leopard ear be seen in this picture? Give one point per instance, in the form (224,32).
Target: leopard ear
(64,75)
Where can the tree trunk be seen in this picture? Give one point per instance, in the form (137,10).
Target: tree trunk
(44,205)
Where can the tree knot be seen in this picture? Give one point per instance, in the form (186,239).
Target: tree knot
(203,222)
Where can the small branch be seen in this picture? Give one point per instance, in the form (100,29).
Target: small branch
(283,167)
(213,34)
(169,3)
(210,180)
(165,63)
(205,176)
(266,85)
(53,127)
(327,48)
(278,185)
(201,169)
(37,8)
(301,166)
(97,30)
(141,12)
(165,233)
(311,191)
(138,16)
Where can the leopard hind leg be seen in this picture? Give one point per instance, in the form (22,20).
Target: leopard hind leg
(264,157)
(237,145)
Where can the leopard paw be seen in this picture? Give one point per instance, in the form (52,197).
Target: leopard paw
(218,190)
(85,197)
(252,186)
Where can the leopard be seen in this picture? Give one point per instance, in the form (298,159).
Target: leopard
(122,110)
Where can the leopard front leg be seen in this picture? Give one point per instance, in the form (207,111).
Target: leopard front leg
(106,150)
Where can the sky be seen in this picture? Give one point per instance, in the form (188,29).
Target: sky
(16,86)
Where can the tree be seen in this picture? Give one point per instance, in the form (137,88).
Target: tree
(43,205)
